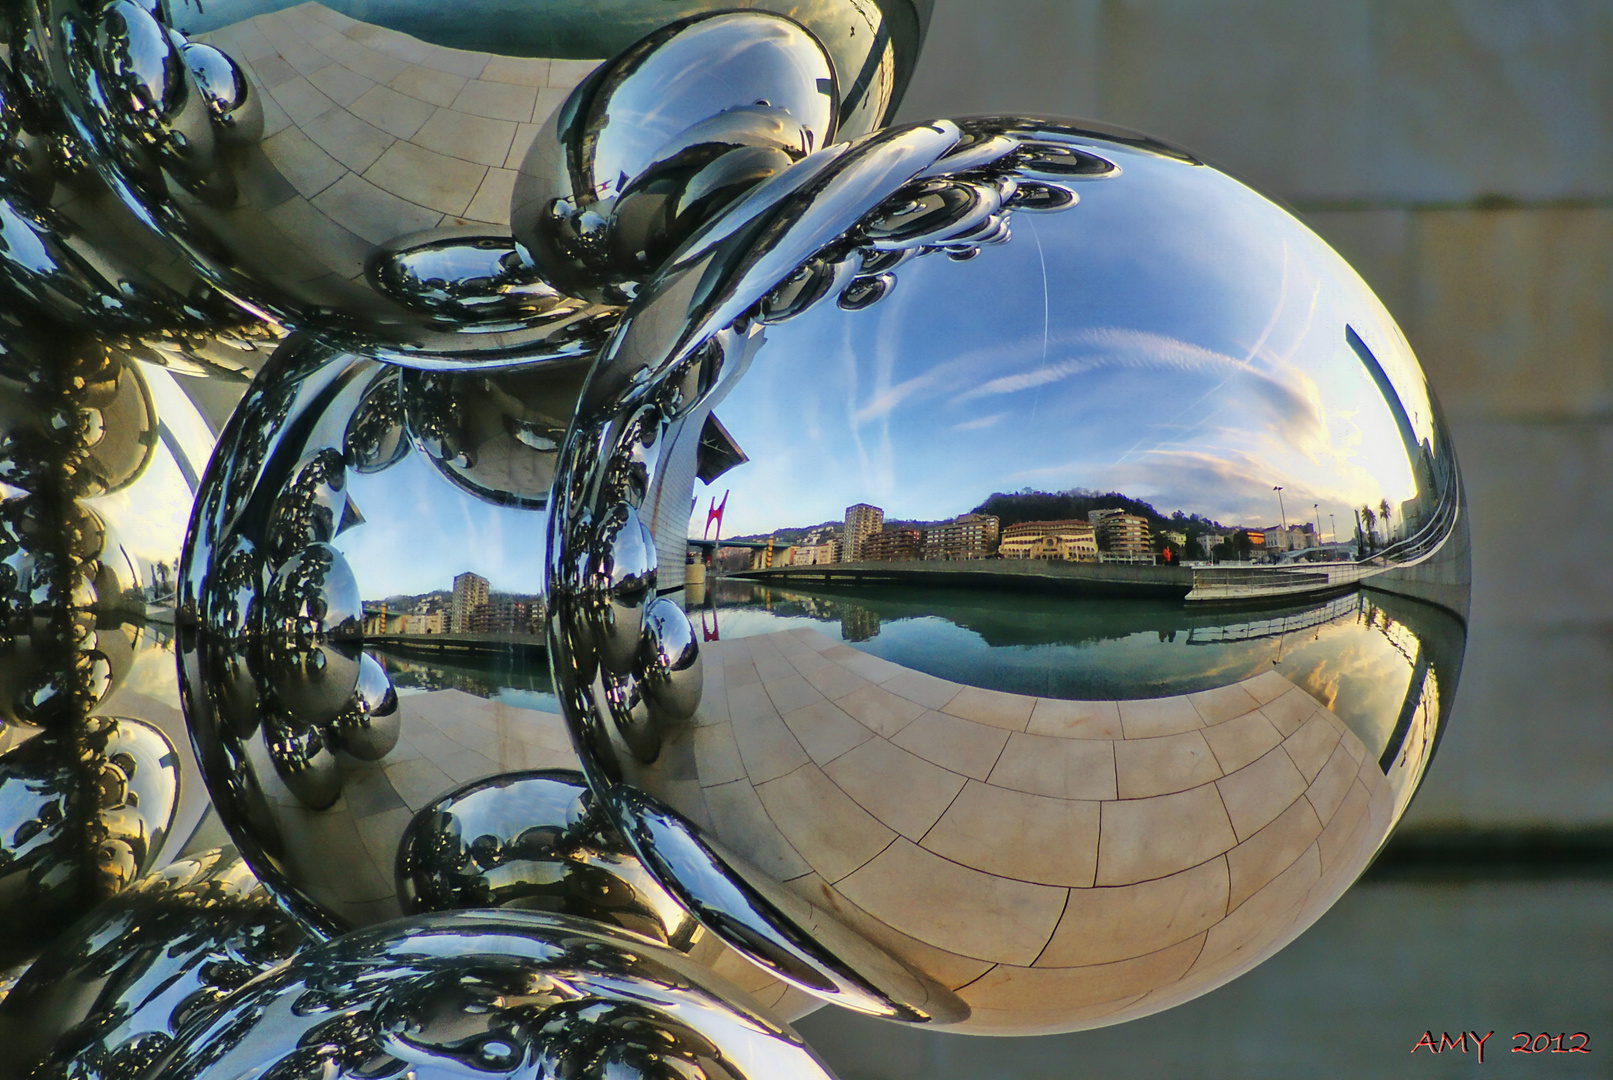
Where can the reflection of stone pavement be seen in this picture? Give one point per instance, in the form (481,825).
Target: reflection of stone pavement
(448,738)
(382,134)
(1113,856)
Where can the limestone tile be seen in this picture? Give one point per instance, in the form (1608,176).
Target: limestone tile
(1289,711)
(1103,925)
(1353,745)
(296,157)
(1270,851)
(301,100)
(439,88)
(275,119)
(1141,839)
(250,43)
(790,692)
(394,113)
(879,710)
(716,755)
(467,765)
(368,791)
(1310,746)
(1076,719)
(829,679)
(372,64)
(1343,836)
(954,908)
(379,833)
(1057,767)
(273,71)
(1237,742)
(816,640)
(739,671)
(1145,718)
(465,137)
(826,828)
(336,247)
(1008,989)
(767,748)
(948,968)
(1223,703)
(1250,931)
(1267,686)
(459,61)
(1012,712)
(825,731)
(304,57)
(341,85)
(1258,792)
(517,70)
(922,689)
(419,781)
(741,823)
(492,201)
(410,50)
(962,746)
(872,668)
(568,73)
(1161,765)
(348,139)
(426,178)
(376,215)
(749,701)
(497,101)
(1328,788)
(1015,835)
(771,666)
(905,792)
(1023,1021)
(548,103)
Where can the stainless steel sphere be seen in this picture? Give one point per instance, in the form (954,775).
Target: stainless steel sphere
(348,168)
(1089,584)
(496,994)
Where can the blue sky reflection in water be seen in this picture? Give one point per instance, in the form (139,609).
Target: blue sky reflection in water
(1357,653)
(1171,336)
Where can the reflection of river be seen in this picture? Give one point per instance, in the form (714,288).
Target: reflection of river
(518,679)
(1362,655)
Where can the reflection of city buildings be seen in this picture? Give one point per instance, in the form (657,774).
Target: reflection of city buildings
(858,623)
(892,545)
(862,521)
(1291,538)
(972,536)
(1122,537)
(1070,540)
(470,592)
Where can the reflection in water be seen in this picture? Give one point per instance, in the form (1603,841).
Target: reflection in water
(518,679)
(1358,654)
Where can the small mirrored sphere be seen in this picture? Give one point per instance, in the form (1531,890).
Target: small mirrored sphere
(495,994)
(1078,570)
(108,998)
(347,167)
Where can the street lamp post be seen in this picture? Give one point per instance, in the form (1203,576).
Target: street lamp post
(1278,489)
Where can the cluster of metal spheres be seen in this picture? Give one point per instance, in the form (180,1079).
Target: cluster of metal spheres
(371,706)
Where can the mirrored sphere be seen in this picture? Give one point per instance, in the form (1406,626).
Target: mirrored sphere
(367,681)
(496,994)
(347,167)
(108,998)
(1078,569)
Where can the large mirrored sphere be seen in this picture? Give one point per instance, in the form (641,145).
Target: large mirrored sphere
(489,994)
(1009,574)
(348,166)
(366,681)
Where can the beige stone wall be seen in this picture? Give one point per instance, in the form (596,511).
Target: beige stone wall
(1461,156)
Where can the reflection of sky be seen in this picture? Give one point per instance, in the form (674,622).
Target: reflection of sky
(420,531)
(1172,337)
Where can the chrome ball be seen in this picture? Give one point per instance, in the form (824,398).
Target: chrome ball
(498,994)
(1040,688)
